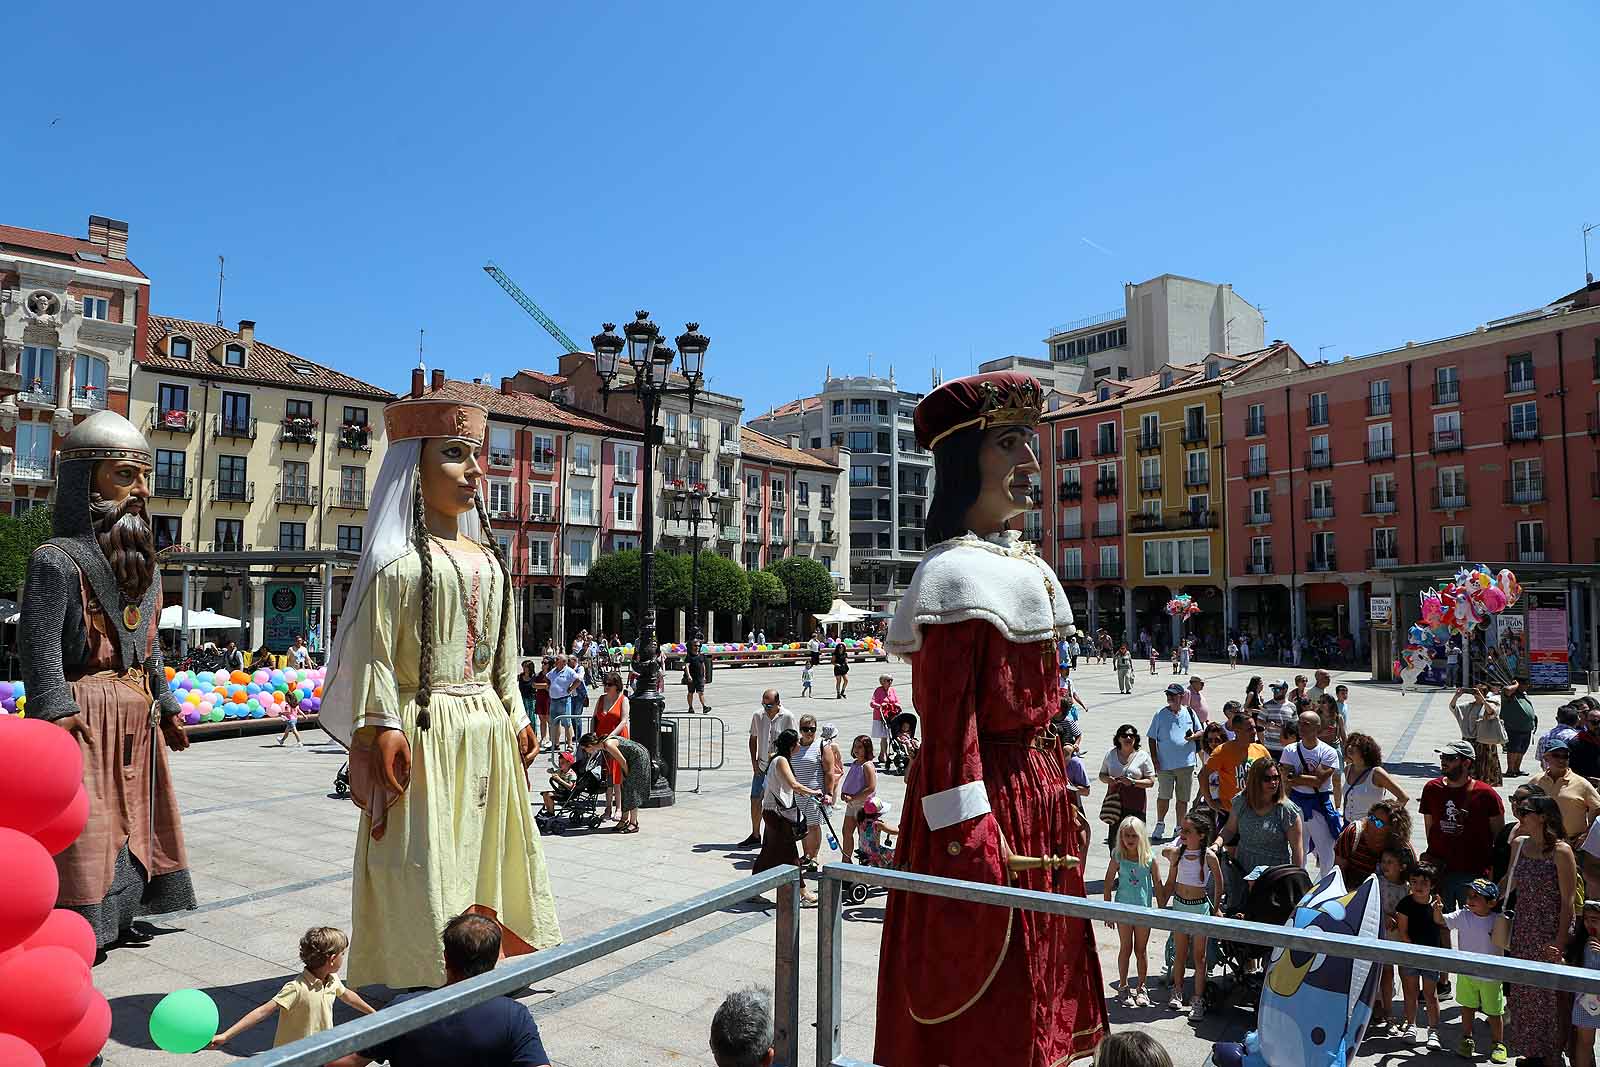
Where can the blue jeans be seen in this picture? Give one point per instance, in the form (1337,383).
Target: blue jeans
(559,717)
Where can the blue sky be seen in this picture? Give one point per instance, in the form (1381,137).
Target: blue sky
(927,183)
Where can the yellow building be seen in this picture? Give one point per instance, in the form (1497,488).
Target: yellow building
(260,453)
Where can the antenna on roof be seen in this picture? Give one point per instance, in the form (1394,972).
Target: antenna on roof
(1588,275)
(219,290)
(420,334)
(869,364)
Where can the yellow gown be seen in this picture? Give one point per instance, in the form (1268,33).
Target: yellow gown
(463,831)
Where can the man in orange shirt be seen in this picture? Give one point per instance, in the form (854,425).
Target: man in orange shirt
(1231,760)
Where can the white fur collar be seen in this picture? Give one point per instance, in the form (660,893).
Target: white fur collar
(998,579)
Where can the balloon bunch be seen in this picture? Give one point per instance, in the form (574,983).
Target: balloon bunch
(1182,606)
(13,698)
(211,696)
(50,1013)
(867,644)
(1476,595)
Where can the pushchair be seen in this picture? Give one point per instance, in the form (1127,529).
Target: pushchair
(1271,899)
(341,781)
(902,746)
(874,846)
(573,799)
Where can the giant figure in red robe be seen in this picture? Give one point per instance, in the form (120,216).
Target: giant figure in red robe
(963,984)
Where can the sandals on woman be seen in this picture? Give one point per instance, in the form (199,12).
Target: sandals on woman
(626,828)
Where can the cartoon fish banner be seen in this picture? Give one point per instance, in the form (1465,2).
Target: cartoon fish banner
(1314,1007)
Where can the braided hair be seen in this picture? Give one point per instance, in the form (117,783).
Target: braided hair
(419,538)
(493,544)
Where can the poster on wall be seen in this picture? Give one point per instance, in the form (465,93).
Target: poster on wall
(1380,608)
(1508,637)
(285,614)
(1547,647)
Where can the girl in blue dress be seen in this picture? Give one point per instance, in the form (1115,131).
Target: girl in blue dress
(1132,875)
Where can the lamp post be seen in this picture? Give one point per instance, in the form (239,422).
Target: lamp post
(649,363)
(690,507)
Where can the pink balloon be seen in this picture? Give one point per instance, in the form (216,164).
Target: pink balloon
(60,832)
(31,886)
(15,1052)
(43,994)
(85,1040)
(65,929)
(40,769)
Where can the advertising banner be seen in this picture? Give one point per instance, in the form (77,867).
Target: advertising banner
(285,614)
(1547,646)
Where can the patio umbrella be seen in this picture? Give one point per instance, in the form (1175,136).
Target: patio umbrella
(199,619)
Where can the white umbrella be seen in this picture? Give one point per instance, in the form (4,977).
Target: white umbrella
(199,619)
(840,612)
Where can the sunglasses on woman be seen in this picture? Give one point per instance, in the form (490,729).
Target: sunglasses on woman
(1378,820)
(1127,737)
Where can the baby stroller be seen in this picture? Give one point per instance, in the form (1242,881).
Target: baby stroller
(902,745)
(1271,899)
(574,795)
(874,845)
(341,781)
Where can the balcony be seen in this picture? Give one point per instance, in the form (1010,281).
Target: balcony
(1379,504)
(1196,478)
(88,398)
(804,537)
(1449,554)
(1104,487)
(1453,499)
(827,503)
(1322,563)
(501,458)
(730,447)
(297,432)
(777,541)
(1149,483)
(1148,442)
(357,437)
(1523,491)
(1146,522)
(829,537)
(229,544)
(1109,570)
(1255,468)
(1184,519)
(1066,453)
(1071,490)
(914,490)
(1380,558)
(238,427)
(1520,554)
(1070,531)
(728,533)
(174,421)
(1377,451)
(1317,414)
(1108,527)
(1524,432)
(32,470)
(1521,379)
(1196,433)
(1319,458)
(1378,405)
(41,395)
(348,498)
(232,491)
(695,441)
(1259,564)
(778,504)
(1255,427)
(172,488)
(500,509)
(583,518)
(543,513)
(1445,441)
(1447,392)
(1252,517)
(1105,447)
(1319,509)
(1070,570)
(296,496)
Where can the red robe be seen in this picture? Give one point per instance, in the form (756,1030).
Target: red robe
(972,985)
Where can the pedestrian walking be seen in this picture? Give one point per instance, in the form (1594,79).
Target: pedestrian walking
(291,719)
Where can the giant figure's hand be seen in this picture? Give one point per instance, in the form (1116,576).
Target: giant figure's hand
(73,724)
(394,760)
(528,745)
(173,732)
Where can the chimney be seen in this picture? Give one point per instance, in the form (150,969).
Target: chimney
(110,235)
(505,387)
(418,376)
(794,441)
(438,378)
(247,331)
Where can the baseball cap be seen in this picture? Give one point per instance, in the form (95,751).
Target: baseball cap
(1463,749)
(1279,684)
(1555,744)
(1174,690)
(1485,889)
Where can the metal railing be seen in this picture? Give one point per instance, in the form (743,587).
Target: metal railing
(1149,483)
(830,940)
(1449,499)
(1379,449)
(1447,392)
(1378,404)
(1255,468)
(520,972)
(1104,487)
(1526,430)
(701,742)
(1445,441)
(1071,490)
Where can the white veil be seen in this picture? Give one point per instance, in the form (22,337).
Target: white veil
(386,537)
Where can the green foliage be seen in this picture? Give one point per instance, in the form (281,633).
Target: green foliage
(614,578)
(724,586)
(672,582)
(18,538)
(809,586)
(766,590)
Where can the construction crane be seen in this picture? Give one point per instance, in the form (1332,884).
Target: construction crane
(529,306)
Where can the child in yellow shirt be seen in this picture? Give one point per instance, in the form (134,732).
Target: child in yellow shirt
(305,1003)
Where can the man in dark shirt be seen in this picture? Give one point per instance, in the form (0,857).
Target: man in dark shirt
(1584,749)
(496,1033)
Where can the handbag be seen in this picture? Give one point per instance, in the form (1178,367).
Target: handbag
(1501,934)
(1491,731)
(1111,807)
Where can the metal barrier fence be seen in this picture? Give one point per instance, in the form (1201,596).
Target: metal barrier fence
(830,940)
(701,744)
(522,971)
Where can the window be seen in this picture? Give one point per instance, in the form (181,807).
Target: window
(1194,423)
(353,486)
(354,416)
(581,457)
(862,475)
(861,440)
(752,487)
(1197,466)
(544,452)
(96,307)
(1149,429)
(89,381)
(349,539)
(1255,420)
(802,493)
(231,477)
(540,502)
(1527,481)
(725,477)
(34,450)
(1072,562)
(626,460)
(1107,432)
(1447,431)
(1530,542)
(1069,444)
(1380,440)
(1257,461)
(180,348)
(1150,474)
(1384,500)
(539,555)
(1190,555)
(1385,545)
(1323,556)
(1212,370)
(1199,504)
(582,505)
(1166,379)
(168,530)
(236,413)
(883,407)
(1320,455)
(1453,543)
(861,508)
(580,552)
(827,496)
(624,507)
(816,442)
(777,527)
(499,496)
(671,420)
(502,446)
(838,407)
(1446,385)
(230,535)
(296,488)
(827,529)
(752,525)
(669,468)
(692,470)
(697,430)
(171,470)
(1109,561)
(291,537)
(1378,396)
(861,407)
(297,409)
(883,443)
(1452,487)
(1519,373)
(171,397)
(1260,555)
(1321,500)
(39,371)
(1317,410)
(1260,505)
(233,355)
(777,492)
(1525,420)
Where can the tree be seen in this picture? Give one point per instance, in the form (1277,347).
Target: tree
(18,538)
(724,586)
(809,585)
(672,582)
(614,579)
(766,591)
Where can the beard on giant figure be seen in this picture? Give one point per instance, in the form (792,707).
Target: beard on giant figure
(964,984)
(92,664)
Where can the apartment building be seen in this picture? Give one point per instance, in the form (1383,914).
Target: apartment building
(73,313)
(793,503)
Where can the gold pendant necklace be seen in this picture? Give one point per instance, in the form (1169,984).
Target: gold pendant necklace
(481,652)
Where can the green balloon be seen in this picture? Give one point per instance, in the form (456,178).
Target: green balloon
(185,1021)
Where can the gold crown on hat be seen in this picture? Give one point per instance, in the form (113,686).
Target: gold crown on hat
(1014,403)
(436,417)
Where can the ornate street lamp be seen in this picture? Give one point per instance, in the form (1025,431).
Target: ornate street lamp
(648,364)
(690,507)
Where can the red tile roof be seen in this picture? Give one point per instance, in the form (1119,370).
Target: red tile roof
(264,364)
(548,379)
(526,407)
(805,403)
(57,246)
(763,449)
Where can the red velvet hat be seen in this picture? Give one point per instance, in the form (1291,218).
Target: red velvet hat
(1000,398)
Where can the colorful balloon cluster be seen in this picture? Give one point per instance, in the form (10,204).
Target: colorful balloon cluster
(50,1013)
(865,644)
(209,696)
(1182,606)
(13,698)
(1471,599)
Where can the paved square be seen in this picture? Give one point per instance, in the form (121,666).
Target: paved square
(270,850)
